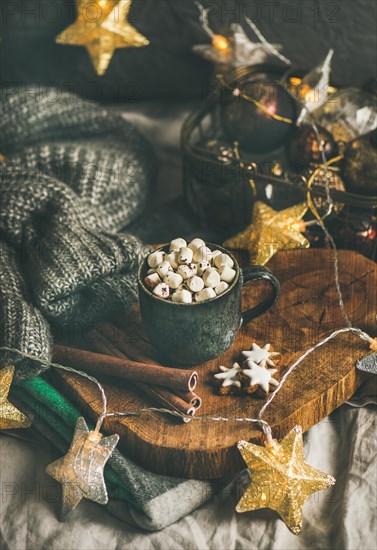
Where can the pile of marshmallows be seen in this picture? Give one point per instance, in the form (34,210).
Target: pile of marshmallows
(189,272)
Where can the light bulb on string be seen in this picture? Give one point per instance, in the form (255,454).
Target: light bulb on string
(237,51)
(220,43)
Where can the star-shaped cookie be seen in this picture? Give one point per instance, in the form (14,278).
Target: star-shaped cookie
(258,354)
(229,376)
(260,376)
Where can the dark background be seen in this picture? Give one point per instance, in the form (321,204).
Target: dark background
(168,68)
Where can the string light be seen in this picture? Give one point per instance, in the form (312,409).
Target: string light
(297,226)
(220,43)
(265,109)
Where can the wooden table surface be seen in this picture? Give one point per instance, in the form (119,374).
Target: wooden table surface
(306,311)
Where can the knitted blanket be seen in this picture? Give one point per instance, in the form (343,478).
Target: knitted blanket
(74,174)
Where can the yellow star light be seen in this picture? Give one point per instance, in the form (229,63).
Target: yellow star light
(281,479)
(271,231)
(102,27)
(80,471)
(10,417)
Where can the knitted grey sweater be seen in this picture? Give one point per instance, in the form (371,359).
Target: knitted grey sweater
(73,176)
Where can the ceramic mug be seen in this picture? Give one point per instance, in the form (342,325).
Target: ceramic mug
(188,334)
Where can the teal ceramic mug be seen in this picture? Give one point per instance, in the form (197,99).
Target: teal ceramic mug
(189,334)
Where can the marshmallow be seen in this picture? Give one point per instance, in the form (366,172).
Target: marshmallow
(152,280)
(211,277)
(195,244)
(221,287)
(223,259)
(177,244)
(227,274)
(202,266)
(185,255)
(202,254)
(163,269)
(195,284)
(172,258)
(182,296)
(162,291)
(187,271)
(156,258)
(173,280)
(183,286)
(205,294)
(214,255)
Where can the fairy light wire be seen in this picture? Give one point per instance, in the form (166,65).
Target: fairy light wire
(266,428)
(49,364)
(237,92)
(204,19)
(266,43)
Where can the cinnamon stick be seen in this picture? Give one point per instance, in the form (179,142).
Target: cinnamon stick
(135,351)
(160,395)
(181,379)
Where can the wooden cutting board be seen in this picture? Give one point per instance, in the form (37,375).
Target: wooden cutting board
(306,311)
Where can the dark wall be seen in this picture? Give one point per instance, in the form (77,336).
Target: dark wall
(305,28)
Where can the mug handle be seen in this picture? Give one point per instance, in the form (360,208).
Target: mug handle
(260,273)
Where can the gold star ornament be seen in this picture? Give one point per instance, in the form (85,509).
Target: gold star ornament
(10,417)
(80,471)
(102,27)
(271,231)
(280,478)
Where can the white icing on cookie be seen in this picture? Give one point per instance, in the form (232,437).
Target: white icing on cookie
(258,354)
(259,375)
(229,376)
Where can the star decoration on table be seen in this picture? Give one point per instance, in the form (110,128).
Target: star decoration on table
(280,478)
(229,376)
(271,231)
(102,27)
(10,417)
(80,471)
(259,375)
(258,354)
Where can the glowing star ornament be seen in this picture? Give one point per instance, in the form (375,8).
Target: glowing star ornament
(236,51)
(270,232)
(10,417)
(281,479)
(314,88)
(80,471)
(102,27)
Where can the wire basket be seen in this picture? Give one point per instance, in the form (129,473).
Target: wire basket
(219,190)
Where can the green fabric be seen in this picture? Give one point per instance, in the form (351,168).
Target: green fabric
(61,416)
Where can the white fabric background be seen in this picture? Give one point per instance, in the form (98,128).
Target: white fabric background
(343,518)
